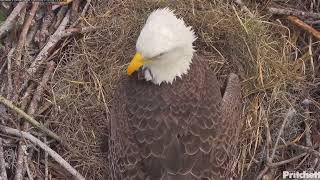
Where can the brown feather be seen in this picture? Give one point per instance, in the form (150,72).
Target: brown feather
(184,130)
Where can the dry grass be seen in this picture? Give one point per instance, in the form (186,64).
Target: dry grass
(259,51)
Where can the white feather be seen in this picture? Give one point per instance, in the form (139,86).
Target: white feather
(167,35)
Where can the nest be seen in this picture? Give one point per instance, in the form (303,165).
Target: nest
(257,50)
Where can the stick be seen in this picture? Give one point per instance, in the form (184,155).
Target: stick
(20,159)
(71,31)
(38,94)
(46,172)
(9,72)
(304,26)
(25,160)
(3,67)
(293,12)
(3,171)
(74,10)
(65,2)
(60,15)
(29,118)
(10,21)
(25,29)
(32,109)
(53,40)
(44,53)
(83,13)
(268,136)
(43,146)
(244,7)
(276,164)
(43,33)
(307,149)
(26,98)
(287,118)
(306,108)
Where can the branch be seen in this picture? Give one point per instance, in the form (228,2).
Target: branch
(32,109)
(83,13)
(43,146)
(25,29)
(276,164)
(38,94)
(288,117)
(304,26)
(19,163)
(10,21)
(3,172)
(80,30)
(44,53)
(244,7)
(9,72)
(42,34)
(306,108)
(294,12)
(53,40)
(29,118)
(307,149)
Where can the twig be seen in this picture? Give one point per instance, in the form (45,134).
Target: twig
(83,13)
(65,2)
(71,31)
(268,136)
(9,72)
(276,164)
(46,172)
(313,22)
(29,118)
(302,161)
(53,40)
(10,21)
(244,7)
(25,160)
(43,146)
(43,33)
(32,109)
(3,171)
(60,15)
(42,56)
(306,104)
(263,172)
(19,164)
(304,26)
(25,100)
(23,35)
(38,94)
(31,35)
(3,67)
(287,118)
(307,149)
(311,57)
(293,12)
(74,10)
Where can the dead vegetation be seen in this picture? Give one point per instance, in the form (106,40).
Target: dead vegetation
(276,60)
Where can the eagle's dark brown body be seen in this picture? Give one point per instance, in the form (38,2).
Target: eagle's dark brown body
(184,130)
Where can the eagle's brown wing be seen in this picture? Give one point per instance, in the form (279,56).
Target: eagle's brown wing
(169,131)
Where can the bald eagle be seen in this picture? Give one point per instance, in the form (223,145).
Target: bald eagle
(169,118)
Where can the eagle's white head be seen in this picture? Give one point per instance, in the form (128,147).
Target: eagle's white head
(164,48)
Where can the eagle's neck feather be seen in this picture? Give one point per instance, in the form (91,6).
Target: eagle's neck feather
(169,67)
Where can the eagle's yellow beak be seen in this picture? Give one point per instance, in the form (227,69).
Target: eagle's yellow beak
(136,63)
